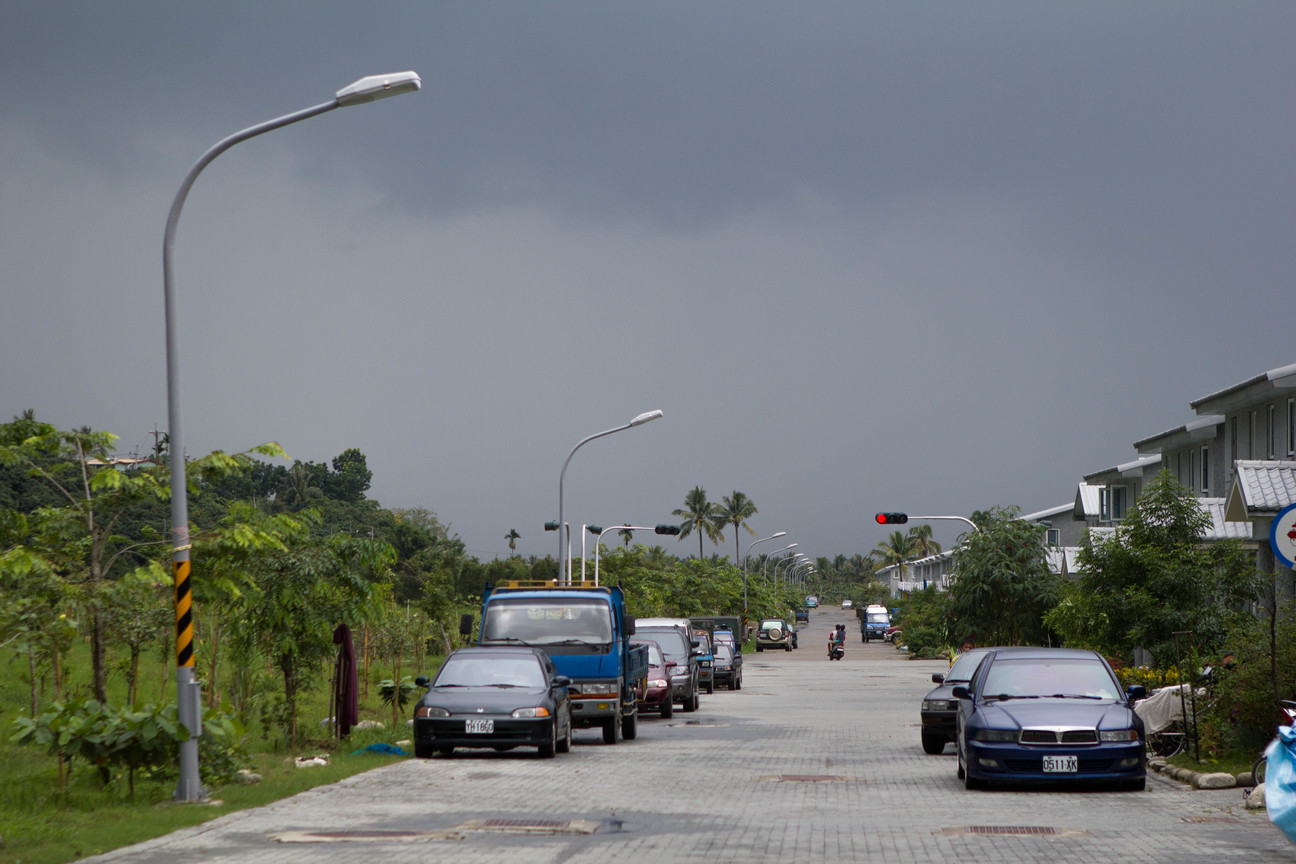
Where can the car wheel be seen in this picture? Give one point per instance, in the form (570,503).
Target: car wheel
(423,750)
(445,750)
(711,686)
(630,726)
(933,743)
(667,709)
(565,742)
(612,730)
(738,683)
(547,750)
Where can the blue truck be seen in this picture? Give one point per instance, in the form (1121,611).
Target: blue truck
(586,632)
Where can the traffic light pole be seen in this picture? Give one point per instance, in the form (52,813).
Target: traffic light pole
(948,518)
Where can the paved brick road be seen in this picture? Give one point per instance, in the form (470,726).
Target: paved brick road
(812,761)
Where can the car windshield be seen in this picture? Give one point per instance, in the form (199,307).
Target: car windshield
(1070,678)
(672,644)
(765,625)
(501,670)
(655,655)
(879,618)
(965,665)
(545,621)
(723,653)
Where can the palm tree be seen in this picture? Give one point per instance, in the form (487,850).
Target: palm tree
(512,538)
(736,510)
(700,515)
(626,536)
(923,544)
(895,551)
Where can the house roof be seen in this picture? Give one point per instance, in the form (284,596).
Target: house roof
(1260,488)
(1044,514)
(1088,503)
(1126,470)
(1202,429)
(1221,527)
(1248,392)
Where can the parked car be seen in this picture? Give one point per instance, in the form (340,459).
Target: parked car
(499,698)
(657,690)
(725,636)
(801,616)
(1048,715)
(846,604)
(727,672)
(892,633)
(774,633)
(939,710)
(675,636)
(706,660)
(812,601)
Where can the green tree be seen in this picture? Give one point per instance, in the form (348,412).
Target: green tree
(922,542)
(1154,576)
(735,510)
(895,551)
(512,538)
(700,516)
(1004,586)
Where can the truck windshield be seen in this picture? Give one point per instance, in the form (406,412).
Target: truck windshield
(547,621)
(879,618)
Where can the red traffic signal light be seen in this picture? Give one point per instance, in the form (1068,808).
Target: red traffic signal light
(892,518)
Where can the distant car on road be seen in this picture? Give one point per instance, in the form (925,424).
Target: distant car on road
(774,633)
(496,697)
(812,601)
(1048,715)
(846,604)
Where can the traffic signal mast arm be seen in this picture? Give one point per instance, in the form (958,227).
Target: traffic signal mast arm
(902,518)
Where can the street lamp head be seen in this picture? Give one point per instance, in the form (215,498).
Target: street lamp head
(373,87)
(645,417)
(778,534)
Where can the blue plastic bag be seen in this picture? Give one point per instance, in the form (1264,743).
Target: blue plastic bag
(1280,781)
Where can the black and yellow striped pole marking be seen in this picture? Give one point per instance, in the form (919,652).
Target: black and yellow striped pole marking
(184,615)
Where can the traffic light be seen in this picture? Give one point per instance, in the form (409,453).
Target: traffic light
(666,529)
(892,518)
(551,526)
(594,529)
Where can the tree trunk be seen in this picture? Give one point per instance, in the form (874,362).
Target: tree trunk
(97,657)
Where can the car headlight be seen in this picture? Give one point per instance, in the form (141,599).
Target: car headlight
(996,735)
(530,712)
(1118,735)
(430,711)
(938,705)
(658,682)
(596,690)
(706,664)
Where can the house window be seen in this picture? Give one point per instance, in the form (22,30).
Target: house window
(1233,430)
(1271,432)
(1053,537)
(1251,433)
(1291,426)
(1114,502)
(1192,469)
(1205,470)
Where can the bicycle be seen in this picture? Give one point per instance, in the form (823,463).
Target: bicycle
(1166,742)
(1288,709)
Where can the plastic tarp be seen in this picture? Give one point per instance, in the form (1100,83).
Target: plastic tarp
(1280,781)
(1164,707)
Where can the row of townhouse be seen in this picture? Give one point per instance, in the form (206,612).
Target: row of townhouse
(1238,455)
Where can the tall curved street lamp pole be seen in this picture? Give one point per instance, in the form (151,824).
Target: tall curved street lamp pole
(188,694)
(564,572)
(765,566)
(773,536)
(789,560)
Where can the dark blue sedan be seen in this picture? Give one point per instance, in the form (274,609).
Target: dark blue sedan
(1055,715)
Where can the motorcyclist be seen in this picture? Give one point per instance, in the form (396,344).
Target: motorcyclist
(836,638)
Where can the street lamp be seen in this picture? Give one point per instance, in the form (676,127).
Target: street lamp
(563,566)
(749,548)
(790,560)
(765,566)
(188,695)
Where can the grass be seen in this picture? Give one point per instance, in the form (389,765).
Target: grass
(40,825)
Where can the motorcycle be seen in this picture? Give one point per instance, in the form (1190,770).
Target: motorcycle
(836,650)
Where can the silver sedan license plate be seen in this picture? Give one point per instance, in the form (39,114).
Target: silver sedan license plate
(486,727)
(1060,765)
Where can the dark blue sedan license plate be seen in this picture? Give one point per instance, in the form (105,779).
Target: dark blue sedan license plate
(486,727)
(1061,765)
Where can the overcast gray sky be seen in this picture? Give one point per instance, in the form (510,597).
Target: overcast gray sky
(913,256)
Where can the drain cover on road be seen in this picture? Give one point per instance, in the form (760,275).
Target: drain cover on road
(803,778)
(532,826)
(365,836)
(1010,831)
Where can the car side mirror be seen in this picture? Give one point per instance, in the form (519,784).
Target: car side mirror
(422,681)
(465,624)
(671,664)
(562,681)
(938,678)
(961,692)
(1135,693)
